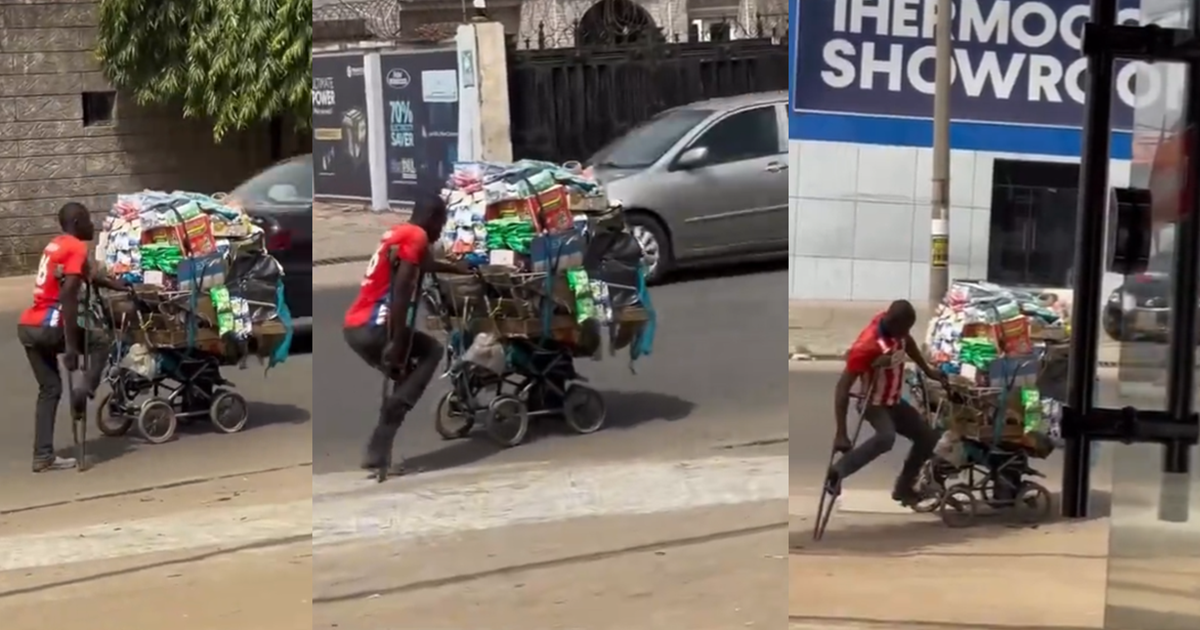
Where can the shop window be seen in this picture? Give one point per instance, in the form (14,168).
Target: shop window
(1032,236)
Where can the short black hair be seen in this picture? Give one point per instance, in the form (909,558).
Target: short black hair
(902,313)
(426,207)
(71,213)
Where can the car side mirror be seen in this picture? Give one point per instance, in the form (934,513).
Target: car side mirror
(693,158)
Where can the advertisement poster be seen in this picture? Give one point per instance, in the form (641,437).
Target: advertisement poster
(1015,62)
(340,128)
(420,94)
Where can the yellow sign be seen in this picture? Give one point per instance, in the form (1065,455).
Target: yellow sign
(939,252)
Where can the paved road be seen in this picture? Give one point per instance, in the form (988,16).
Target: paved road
(279,435)
(715,377)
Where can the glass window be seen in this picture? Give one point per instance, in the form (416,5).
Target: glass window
(288,183)
(646,144)
(746,135)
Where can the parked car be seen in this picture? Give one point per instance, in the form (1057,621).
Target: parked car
(704,182)
(1139,308)
(280,200)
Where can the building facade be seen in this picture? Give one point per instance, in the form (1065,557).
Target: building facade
(861,137)
(65,135)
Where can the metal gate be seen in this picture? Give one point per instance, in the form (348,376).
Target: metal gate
(567,103)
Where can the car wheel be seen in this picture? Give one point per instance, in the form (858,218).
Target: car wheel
(656,247)
(1112,327)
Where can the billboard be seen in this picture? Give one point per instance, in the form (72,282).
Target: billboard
(339,118)
(1017,62)
(420,106)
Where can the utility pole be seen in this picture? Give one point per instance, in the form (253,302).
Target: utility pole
(939,250)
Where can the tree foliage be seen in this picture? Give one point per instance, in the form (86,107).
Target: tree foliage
(235,62)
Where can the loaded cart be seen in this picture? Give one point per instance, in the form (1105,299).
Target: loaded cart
(556,277)
(1003,352)
(206,295)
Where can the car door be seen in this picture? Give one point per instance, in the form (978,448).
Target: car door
(729,199)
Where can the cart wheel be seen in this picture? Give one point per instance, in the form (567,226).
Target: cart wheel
(229,412)
(450,419)
(1033,503)
(110,420)
(507,421)
(584,409)
(156,421)
(930,490)
(959,507)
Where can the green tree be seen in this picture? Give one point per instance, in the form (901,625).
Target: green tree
(235,62)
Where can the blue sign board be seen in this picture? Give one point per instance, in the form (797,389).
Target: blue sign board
(1018,70)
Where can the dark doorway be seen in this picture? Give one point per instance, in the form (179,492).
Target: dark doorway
(1032,236)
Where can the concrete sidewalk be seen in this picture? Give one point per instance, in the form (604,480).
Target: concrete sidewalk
(710,569)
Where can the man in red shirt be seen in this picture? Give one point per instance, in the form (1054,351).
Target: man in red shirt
(876,362)
(51,327)
(379,323)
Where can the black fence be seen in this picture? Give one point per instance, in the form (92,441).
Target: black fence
(568,102)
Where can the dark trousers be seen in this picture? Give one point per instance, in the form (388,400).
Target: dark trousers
(899,419)
(425,355)
(42,345)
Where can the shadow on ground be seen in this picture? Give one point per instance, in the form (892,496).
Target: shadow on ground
(626,410)
(896,534)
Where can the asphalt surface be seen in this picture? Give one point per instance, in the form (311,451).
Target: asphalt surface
(278,435)
(715,379)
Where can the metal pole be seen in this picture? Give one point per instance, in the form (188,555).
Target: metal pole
(1089,261)
(939,230)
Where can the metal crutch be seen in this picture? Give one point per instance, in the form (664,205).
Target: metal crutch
(828,500)
(79,418)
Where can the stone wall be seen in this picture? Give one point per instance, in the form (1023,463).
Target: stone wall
(49,156)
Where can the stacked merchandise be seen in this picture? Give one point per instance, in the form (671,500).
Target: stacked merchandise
(1001,349)
(553,252)
(204,264)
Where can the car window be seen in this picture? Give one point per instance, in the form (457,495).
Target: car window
(748,134)
(288,183)
(646,144)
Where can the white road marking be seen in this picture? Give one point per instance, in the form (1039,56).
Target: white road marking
(349,507)
(548,495)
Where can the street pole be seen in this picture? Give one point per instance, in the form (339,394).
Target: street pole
(939,252)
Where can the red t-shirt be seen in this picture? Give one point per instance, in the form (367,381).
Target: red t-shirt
(64,256)
(883,382)
(370,308)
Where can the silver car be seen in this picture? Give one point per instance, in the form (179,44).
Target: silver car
(704,182)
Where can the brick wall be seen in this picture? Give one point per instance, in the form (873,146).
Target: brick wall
(48,156)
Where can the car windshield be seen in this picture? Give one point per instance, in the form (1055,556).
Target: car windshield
(646,144)
(288,183)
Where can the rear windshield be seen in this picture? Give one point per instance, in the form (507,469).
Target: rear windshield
(287,184)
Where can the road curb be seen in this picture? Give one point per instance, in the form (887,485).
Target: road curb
(191,481)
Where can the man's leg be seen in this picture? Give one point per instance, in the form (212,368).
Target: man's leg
(880,419)
(369,342)
(425,356)
(43,360)
(911,425)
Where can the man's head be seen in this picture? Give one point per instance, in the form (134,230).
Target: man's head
(899,319)
(75,220)
(429,214)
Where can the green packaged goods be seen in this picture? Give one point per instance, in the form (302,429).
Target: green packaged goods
(978,352)
(510,233)
(164,257)
(1031,406)
(581,288)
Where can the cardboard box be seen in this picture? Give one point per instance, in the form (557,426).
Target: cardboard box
(549,211)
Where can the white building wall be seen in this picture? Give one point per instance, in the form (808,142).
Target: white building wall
(859,218)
